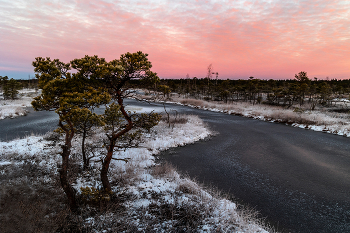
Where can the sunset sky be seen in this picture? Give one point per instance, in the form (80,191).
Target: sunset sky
(265,39)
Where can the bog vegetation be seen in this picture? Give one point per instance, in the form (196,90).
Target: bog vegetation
(300,90)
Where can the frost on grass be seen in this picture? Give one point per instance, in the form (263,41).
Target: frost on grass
(147,197)
(14,108)
(317,120)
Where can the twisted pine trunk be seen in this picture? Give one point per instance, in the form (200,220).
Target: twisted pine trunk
(105,168)
(66,149)
(107,160)
(85,159)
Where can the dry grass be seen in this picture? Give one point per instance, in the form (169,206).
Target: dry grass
(164,169)
(330,121)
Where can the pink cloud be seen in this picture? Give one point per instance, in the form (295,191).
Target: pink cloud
(241,38)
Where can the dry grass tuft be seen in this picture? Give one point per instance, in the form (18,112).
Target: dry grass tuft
(188,186)
(164,169)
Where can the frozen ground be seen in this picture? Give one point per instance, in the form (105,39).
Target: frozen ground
(148,197)
(14,108)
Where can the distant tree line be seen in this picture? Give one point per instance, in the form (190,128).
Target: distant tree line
(300,90)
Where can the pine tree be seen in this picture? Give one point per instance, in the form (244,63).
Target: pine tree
(10,89)
(69,96)
(115,77)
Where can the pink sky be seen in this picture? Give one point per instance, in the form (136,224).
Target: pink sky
(265,39)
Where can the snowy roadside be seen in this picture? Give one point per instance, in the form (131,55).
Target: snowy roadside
(14,108)
(323,121)
(155,198)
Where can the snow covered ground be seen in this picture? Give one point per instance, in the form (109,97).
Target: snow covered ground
(149,197)
(153,197)
(14,108)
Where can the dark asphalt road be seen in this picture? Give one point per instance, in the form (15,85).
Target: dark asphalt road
(298,179)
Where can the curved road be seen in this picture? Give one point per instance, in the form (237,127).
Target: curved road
(298,179)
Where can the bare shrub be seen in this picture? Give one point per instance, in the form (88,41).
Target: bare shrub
(178,120)
(173,119)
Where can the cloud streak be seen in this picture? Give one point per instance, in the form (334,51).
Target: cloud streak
(266,39)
